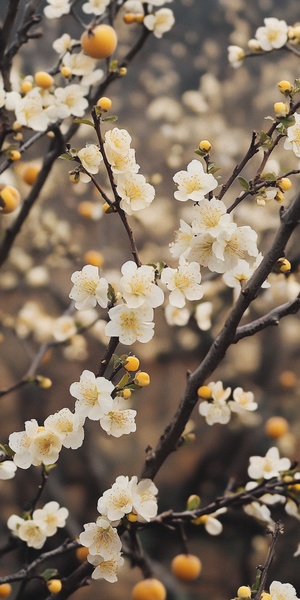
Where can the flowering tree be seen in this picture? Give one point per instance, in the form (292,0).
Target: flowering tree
(219,279)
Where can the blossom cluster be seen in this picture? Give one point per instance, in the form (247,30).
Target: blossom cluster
(38,526)
(273,35)
(129,498)
(218,409)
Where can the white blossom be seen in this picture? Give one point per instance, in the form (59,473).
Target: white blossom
(160,22)
(242,401)
(90,158)
(292,141)
(159,2)
(211,523)
(93,395)
(70,100)
(210,215)
(130,324)
(45,447)
(266,467)
(101,538)
(57,8)
(236,55)
(30,111)
(106,569)
(89,288)
(203,314)
(216,410)
(119,421)
(183,282)
(50,517)
(7,469)
(273,35)
(118,140)
(64,327)
(20,443)
(259,511)
(138,286)
(95,7)
(62,44)
(80,64)
(121,162)
(67,426)
(176,316)
(28,531)
(144,500)
(135,192)
(282,591)
(116,502)
(193,183)
(183,238)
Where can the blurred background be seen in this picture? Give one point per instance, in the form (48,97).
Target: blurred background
(177,91)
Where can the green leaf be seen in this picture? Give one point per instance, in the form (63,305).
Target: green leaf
(111,119)
(84,122)
(116,361)
(123,381)
(49,574)
(297,86)
(244,184)
(5,448)
(269,176)
(66,156)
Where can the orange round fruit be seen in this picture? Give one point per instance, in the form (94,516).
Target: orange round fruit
(81,553)
(54,585)
(100,42)
(149,589)
(5,590)
(276,427)
(30,174)
(43,79)
(11,198)
(132,363)
(93,257)
(186,567)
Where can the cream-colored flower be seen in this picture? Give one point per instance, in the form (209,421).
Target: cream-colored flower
(273,35)
(160,22)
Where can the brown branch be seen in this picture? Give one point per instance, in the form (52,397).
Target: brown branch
(169,439)
(271,318)
(265,569)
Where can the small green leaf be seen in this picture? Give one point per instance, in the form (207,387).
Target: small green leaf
(297,86)
(66,156)
(269,176)
(111,119)
(244,184)
(123,381)
(49,574)
(84,122)
(111,294)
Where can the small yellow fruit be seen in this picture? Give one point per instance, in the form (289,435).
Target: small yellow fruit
(186,567)
(93,257)
(100,42)
(104,103)
(132,363)
(81,553)
(204,391)
(132,517)
(54,586)
(122,71)
(265,596)
(43,79)
(288,379)
(126,393)
(43,382)
(139,18)
(30,174)
(149,589)
(281,109)
(284,183)
(276,427)
(205,146)
(26,86)
(285,87)
(14,155)
(142,379)
(283,265)
(244,592)
(65,71)
(129,18)
(5,590)
(86,209)
(11,198)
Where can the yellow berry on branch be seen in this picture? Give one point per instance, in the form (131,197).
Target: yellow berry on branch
(276,427)
(204,391)
(104,103)
(5,590)
(149,589)
(142,379)
(30,173)
(10,199)
(54,586)
(186,567)
(244,591)
(132,363)
(43,79)
(99,42)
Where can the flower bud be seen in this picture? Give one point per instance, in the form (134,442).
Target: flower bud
(281,109)
(284,183)
(244,591)
(43,382)
(142,379)
(104,103)
(43,79)
(14,155)
(122,71)
(283,265)
(132,363)
(285,87)
(205,146)
(204,392)
(93,257)
(132,517)
(193,502)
